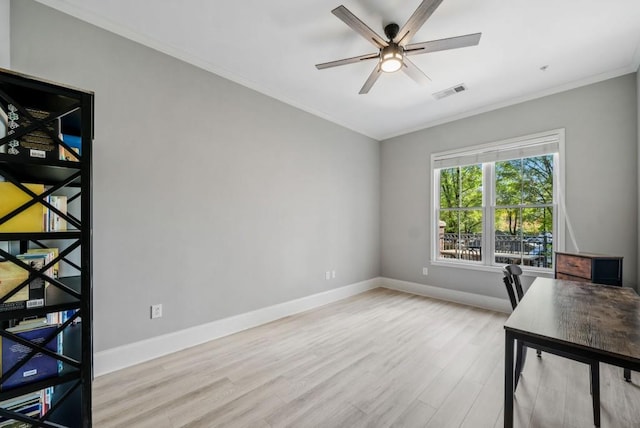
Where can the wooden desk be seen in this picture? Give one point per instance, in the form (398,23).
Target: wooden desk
(594,321)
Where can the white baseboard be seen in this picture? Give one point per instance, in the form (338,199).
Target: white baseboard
(134,353)
(471,299)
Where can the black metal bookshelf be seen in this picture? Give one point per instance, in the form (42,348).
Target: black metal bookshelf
(33,109)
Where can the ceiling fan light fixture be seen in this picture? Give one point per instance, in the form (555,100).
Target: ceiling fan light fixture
(391,58)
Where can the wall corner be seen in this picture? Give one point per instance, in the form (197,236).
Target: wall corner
(638,165)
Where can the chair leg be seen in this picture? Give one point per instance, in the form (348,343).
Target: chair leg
(521,357)
(595,392)
(627,375)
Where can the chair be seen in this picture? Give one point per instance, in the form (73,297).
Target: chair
(512,282)
(514,289)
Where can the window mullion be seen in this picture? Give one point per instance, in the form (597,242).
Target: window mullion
(435,247)
(488,202)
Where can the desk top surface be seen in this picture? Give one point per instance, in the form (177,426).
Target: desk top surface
(596,317)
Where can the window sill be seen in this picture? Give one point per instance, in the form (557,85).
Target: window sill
(526,270)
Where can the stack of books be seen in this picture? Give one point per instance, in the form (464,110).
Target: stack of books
(29,405)
(23,288)
(38,367)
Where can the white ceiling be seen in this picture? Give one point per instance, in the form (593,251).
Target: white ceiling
(272,47)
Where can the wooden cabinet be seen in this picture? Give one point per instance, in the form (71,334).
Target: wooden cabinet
(588,267)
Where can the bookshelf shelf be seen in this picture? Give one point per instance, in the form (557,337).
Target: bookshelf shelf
(40,170)
(40,236)
(36,386)
(56,300)
(46,345)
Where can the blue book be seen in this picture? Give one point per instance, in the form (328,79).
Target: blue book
(38,367)
(75,143)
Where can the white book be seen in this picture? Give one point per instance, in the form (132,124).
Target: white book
(57,222)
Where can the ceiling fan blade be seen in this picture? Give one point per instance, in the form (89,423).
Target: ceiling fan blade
(371,80)
(419,17)
(348,61)
(443,44)
(414,72)
(358,26)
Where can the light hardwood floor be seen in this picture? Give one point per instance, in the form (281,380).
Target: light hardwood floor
(379,359)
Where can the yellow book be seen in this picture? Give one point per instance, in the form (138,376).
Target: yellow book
(11,275)
(29,220)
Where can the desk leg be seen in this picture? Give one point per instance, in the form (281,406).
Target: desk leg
(595,392)
(508,380)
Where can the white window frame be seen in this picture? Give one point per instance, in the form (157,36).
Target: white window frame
(487,154)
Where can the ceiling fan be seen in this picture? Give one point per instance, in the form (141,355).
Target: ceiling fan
(392,54)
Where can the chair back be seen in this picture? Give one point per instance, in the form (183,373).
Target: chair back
(512,282)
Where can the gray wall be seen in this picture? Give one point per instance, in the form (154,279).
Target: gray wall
(208,197)
(215,200)
(601,179)
(5,30)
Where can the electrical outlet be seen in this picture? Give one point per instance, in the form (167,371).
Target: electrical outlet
(156,311)
(333,274)
(425,271)
(327,275)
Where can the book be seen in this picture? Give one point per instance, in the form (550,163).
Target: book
(21,400)
(46,218)
(15,424)
(29,405)
(37,284)
(12,275)
(61,318)
(46,397)
(12,197)
(54,253)
(56,222)
(38,367)
(38,143)
(29,324)
(75,143)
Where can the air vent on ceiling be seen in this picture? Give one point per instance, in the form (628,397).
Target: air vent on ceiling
(449,91)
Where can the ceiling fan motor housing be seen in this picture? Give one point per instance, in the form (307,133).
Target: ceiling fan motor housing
(391,31)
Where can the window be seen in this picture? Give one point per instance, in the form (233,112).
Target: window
(499,203)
